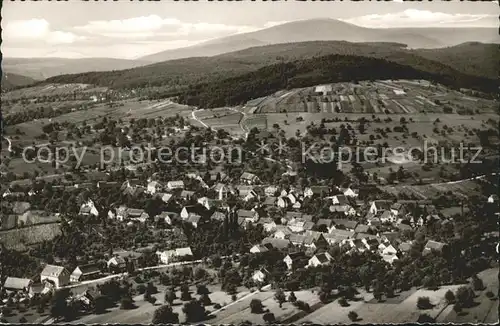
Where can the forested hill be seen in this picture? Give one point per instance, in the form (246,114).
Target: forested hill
(325,69)
(176,74)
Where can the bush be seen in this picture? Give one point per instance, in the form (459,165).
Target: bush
(343,302)
(353,316)
(269,318)
(127,303)
(457,308)
(477,283)
(303,306)
(465,296)
(234,297)
(292,298)
(217,306)
(141,288)
(138,279)
(256,306)
(424,303)
(425,318)
(202,289)
(490,294)
(450,297)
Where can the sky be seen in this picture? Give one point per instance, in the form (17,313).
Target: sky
(131,29)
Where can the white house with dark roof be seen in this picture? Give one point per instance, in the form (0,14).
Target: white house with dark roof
(320,259)
(58,275)
(249,178)
(88,208)
(176,184)
(154,187)
(85,272)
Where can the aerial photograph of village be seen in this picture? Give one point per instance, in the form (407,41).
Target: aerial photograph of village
(249,162)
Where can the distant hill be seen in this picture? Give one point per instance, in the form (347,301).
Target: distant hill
(325,69)
(10,81)
(177,74)
(331,30)
(471,58)
(42,68)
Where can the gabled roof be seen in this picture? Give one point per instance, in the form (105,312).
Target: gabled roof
(382,204)
(193,218)
(322,257)
(276,243)
(220,216)
(248,176)
(269,201)
(362,228)
(296,255)
(324,221)
(183,251)
(342,200)
(175,183)
(52,271)
(17,283)
(348,224)
(245,213)
(434,245)
(88,269)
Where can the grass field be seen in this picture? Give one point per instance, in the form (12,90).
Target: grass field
(403,308)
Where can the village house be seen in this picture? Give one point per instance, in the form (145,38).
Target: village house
(137,214)
(218,215)
(165,197)
(194,220)
(191,209)
(130,184)
(258,249)
(294,260)
(343,209)
(268,224)
(338,237)
(260,276)
(398,209)
(88,209)
(249,215)
(116,264)
(106,184)
(320,259)
(324,225)
(340,200)
(390,258)
(320,191)
(270,191)
(175,255)
(387,216)
(186,194)
(280,244)
(208,203)
(282,232)
(168,217)
(249,178)
(57,275)
(154,187)
(178,184)
(379,206)
(283,202)
(349,192)
(405,247)
(223,191)
(246,192)
(269,201)
(16,284)
(492,199)
(432,245)
(85,272)
(343,224)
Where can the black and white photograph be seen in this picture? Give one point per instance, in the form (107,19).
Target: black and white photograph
(249,162)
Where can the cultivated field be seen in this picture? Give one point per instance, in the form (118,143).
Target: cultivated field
(386,96)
